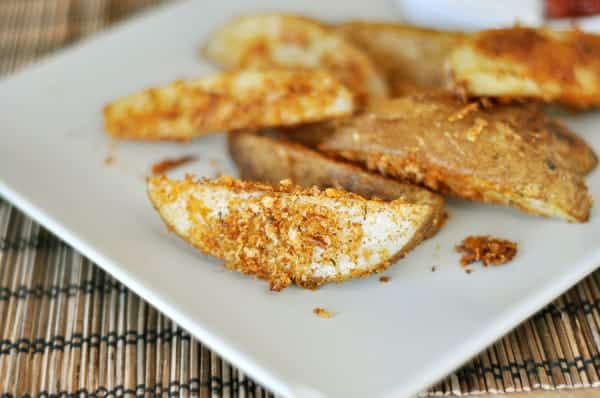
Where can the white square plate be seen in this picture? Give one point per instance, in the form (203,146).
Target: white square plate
(388,339)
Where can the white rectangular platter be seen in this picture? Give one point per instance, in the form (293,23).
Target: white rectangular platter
(385,340)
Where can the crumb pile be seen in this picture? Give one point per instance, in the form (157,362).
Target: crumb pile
(488,250)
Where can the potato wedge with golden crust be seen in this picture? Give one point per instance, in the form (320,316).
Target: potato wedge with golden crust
(466,152)
(559,145)
(271,159)
(286,40)
(288,235)
(411,57)
(228,101)
(529,63)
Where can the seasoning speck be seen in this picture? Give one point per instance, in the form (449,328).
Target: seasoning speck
(322,313)
(434,268)
(167,164)
(468,270)
(384,279)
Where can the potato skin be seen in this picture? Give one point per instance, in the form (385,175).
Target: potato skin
(410,57)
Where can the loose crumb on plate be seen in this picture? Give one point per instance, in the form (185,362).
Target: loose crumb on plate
(434,268)
(468,270)
(488,250)
(384,279)
(322,312)
(110,156)
(167,164)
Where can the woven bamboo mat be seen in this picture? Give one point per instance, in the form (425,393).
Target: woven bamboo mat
(69,329)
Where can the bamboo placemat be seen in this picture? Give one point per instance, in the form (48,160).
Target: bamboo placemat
(69,329)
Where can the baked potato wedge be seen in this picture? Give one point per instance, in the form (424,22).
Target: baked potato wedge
(520,62)
(264,40)
(461,150)
(285,234)
(560,145)
(410,57)
(270,159)
(228,101)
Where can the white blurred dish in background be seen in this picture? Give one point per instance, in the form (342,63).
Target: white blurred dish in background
(477,14)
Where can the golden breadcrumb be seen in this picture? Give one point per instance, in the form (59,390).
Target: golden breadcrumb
(488,250)
(287,40)
(322,313)
(285,234)
(228,101)
(520,62)
(384,279)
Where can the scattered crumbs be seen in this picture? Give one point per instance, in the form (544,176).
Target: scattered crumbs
(322,312)
(213,162)
(384,279)
(488,250)
(109,159)
(434,268)
(167,164)
(468,270)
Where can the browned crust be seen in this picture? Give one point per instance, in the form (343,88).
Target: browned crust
(231,100)
(269,159)
(544,57)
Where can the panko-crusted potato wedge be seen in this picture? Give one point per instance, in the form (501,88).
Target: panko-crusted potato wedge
(411,57)
(286,40)
(463,151)
(228,101)
(521,62)
(271,159)
(288,235)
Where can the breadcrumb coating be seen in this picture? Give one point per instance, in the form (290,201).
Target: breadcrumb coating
(286,40)
(285,234)
(228,101)
(521,62)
